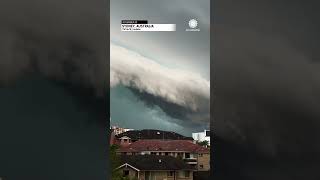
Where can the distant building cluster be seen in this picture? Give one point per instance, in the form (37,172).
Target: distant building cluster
(157,155)
(202,136)
(118,130)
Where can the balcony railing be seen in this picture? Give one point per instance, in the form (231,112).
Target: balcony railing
(190,161)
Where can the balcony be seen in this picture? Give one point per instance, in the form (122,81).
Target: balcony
(191,161)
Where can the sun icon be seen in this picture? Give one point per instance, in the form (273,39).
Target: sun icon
(193,23)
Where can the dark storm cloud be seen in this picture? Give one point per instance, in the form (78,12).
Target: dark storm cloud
(266,85)
(64,40)
(171,109)
(53,64)
(186,116)
(151,115)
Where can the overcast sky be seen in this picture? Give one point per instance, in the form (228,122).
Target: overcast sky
(170,70)
(186,50)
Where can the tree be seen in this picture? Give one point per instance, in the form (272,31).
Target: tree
(115,162)
(204,143)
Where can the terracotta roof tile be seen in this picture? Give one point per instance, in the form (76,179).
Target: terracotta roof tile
(159,145)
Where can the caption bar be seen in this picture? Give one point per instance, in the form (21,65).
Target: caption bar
(143,25)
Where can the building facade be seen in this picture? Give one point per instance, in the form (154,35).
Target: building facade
(192,154)
(202,136)
(151,167)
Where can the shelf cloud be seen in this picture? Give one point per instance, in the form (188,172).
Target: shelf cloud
(160,85)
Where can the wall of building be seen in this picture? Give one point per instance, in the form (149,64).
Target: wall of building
(163,175)
(205,161)
(132,172)
(201,160)
(160,175)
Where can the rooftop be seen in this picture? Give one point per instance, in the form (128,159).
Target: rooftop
(153,134)
(170,146)
(153,162)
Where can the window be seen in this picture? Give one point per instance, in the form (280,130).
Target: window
(170,173)
(207,133)
(187,155)
(153,153)
(150,175)
(167,154)
(147,175)
(125,140)
(180,174)
(125,173)
(201,166)
(195,155)
(200,155)
(186,174)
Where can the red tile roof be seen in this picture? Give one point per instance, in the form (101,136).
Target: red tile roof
(159,145)
(153,134)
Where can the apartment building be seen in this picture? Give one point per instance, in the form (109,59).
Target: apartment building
(192,154)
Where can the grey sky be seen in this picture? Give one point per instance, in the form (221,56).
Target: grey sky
(186,50)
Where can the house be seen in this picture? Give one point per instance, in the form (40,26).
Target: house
(126,138)
(192,154)
(152,167)
(202,136)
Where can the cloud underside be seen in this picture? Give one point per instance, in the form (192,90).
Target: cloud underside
(180,94)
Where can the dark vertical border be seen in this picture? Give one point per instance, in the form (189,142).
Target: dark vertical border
(212,87)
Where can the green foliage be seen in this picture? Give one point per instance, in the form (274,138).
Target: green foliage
(115,162)
(204,143)
(116,175)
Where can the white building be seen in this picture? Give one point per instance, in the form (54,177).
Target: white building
(202,136)
(118,130)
